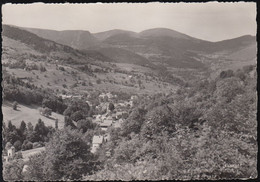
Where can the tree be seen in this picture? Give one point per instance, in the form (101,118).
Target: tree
(68,156)
(46,111)
(42,68)
(111,106)
(226,74)
(40,130)
(78,115)
(98,81)
(35,169)
(158,120)
(27,145)
(85,124)
(227,89)
(77,106)
(12,171)
(8,145)
(15,104)
(18,145)
(11,134)
(22,131)
(56,123)
(11,127)
(22,127)
(30,127)
(134,122)
(30,133)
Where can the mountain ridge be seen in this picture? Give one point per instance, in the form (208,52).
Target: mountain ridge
(157,46)
(127,31)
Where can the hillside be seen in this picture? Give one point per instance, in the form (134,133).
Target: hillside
(161,32)
(157,46)
(29,114)
(124,56)
(77,39)
(231,45)
(247,53)
(180,56)
(40,46)
(74,71)
(104,35)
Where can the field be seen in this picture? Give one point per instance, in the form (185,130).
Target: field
(29,114)
(27,153)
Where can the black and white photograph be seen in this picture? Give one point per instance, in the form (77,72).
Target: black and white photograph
(129,91)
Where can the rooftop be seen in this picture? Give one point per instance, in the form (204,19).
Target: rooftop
(97,139)
(107,122)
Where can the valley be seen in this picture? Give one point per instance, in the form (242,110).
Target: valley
(155,103)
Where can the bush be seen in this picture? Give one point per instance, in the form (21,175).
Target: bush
(226,74)
(27,145)
(15,104)
(36,145)
(42,68)
(8,145)
(46,111)
(61,68)
(18,145)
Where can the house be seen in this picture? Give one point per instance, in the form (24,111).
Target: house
(65,96)
(10,154)
(109,117)
(103,118)
(96,120)
(134,97)
(107,95)
(98,116)
(131,103)
(106,124)
(25,168)
(103,95)
(96,142)
(89,103)
(118,124)
(118,115)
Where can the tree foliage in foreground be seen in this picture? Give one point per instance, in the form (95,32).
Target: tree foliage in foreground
(208,131)
(68,156)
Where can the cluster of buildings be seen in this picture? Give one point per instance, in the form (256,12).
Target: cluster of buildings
(109,119)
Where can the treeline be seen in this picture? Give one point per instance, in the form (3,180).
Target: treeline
(21,64)
(16,89)
(26,136)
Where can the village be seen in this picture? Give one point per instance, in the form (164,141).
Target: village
(112,114)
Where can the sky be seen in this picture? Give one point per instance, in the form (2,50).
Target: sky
(211,21)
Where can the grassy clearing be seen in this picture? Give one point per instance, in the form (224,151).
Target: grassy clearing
(29,114)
